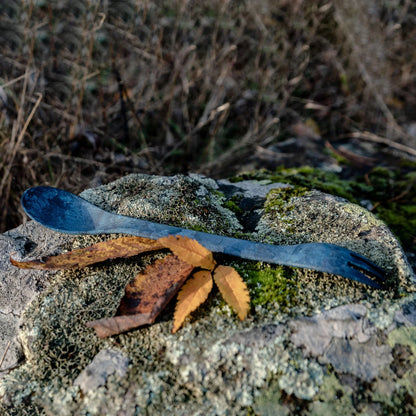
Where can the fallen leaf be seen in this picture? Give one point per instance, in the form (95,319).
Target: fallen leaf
(154,286)
(151,290)
(106,250)
(233,289)
(117,324)
(193,293)
(190,251)
(145,296)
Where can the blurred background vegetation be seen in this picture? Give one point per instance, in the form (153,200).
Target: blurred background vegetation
(92,90)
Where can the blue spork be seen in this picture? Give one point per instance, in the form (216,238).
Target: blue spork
(65,212)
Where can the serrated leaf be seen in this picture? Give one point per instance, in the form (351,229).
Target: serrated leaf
(233,289)
(145,296)
(193,293)
(190,251)
(117,248)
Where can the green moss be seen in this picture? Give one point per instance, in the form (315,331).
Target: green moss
(400,403)
(390,192)
(403,336)
(232,205)
(269,402)
(400,221)
(278,198)
(394,197)
(332,399)
(270,285)
(307,177)
(256,175)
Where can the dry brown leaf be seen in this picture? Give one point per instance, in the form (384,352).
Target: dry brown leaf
(233,289)
(106,250)
(190,251)
(145,296)
(116,325)
(153,288)
(193,293)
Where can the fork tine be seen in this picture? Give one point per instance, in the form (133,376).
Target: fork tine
(368,267)
(360,277)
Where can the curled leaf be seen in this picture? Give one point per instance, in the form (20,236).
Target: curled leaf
(193,293)
(190,251)
(145,296)
(233,289)
(116,325)
(106,250)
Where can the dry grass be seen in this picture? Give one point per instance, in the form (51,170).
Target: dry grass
(93,90)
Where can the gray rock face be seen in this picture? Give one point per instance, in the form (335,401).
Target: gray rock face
(19,287)
(316,217)
(344,338)
(104,364)
(325,342)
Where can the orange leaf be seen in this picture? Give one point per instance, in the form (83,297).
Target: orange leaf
(233,289)
(194,292)
(189,250)
(110,249)
(145,296)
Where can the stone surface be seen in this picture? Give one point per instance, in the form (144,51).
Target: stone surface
(344,338)
(338,347)
(315,333)
(104,364)
(19,287)
(317,217)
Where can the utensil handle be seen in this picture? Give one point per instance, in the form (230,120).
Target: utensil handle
(291,255)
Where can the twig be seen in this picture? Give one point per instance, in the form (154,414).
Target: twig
(351,156)
(13,81)
(19,140)
(366,135)
(123,108)
(29,119)
(244,146)
(74,159)
(54,109)
(5,353)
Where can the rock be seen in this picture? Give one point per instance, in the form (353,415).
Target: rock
(315,333)
(363,360)
(326,344)
(294,217)
(19,287)
(344,338)
(104,364)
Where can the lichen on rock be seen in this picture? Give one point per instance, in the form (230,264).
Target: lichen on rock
(292,348)
(317,217)
(185,201)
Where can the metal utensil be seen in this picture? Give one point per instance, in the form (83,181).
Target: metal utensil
(67,213)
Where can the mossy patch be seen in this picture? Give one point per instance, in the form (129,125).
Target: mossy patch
(232,205)
(278,198)
(191,202)
(272,286)
(269,402)
(307,177)
(214,362)
(390,194)
(332,399)
(403,336)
